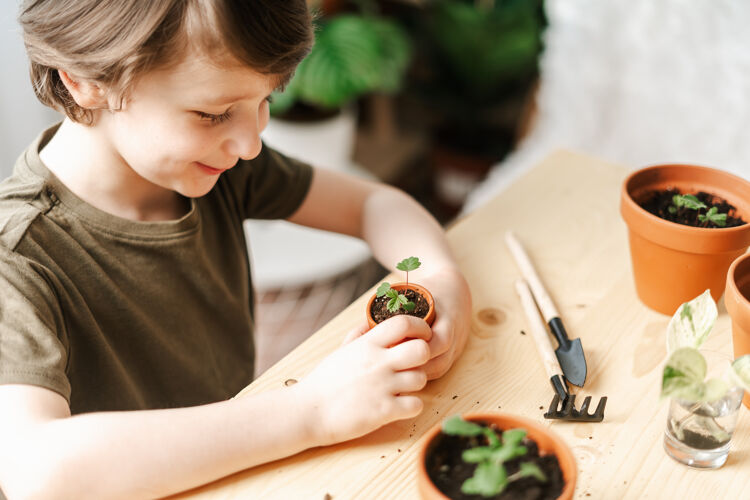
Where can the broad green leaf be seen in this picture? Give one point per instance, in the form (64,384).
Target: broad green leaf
(492,438)
(476,455)
(683,375)
(712,215)
(393,305)
(692,322)
(713,389)
(513,436)
(456,426)
(409,306)
(508,452)
(740,372)
(687,362)
(529,469)
(382,289)
(489,479)
(391,294)
(408,264)
(688,201)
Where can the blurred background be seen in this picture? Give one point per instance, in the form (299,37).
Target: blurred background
(451,100)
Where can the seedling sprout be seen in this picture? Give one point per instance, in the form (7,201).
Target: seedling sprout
(490,477)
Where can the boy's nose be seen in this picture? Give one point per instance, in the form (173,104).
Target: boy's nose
(244,140)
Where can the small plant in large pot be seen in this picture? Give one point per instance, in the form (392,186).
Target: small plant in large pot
(686,224)
(494,456)
(401,298)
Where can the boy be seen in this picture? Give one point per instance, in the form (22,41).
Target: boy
(125,294)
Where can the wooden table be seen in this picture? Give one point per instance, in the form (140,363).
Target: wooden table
(565,212)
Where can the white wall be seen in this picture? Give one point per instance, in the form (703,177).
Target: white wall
(22,116)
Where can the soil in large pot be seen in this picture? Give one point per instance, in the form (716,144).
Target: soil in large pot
(660,203)
(448,471)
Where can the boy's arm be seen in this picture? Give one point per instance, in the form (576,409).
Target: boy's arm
(395,226)
(46,453)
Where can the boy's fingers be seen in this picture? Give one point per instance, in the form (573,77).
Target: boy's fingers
(409,354)
(409,381)
(355,332)
(407,407)
(394,330)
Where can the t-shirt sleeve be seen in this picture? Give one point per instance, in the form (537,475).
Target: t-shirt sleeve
(270,186)
(32,346)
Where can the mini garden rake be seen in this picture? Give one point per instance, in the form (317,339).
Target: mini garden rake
(562,406)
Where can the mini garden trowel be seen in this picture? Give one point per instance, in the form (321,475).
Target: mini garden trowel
(569,352)
(568,410)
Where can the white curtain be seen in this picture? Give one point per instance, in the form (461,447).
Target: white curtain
(22,117)
(639,82)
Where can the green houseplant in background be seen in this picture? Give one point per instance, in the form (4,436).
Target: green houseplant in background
(355,54)
(358,52)
(476,66)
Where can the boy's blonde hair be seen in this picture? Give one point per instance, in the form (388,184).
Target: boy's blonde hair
(113,42)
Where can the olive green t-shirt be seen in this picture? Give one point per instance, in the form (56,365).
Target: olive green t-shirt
(115,314)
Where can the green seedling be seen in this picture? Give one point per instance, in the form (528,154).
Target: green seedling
(686,200)
(408,264)
(490,477)
(398,300)
(693,203)
(713,216)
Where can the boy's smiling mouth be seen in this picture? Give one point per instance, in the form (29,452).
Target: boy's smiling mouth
(211,170)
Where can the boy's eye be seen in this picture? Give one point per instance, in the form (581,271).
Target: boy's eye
(215,119)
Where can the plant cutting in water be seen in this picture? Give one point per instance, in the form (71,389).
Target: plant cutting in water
(398,300)
(685,372)
(490,477)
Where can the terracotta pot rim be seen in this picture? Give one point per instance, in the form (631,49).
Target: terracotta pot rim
(732,290)
(679,236)
(563,452)
(424,292)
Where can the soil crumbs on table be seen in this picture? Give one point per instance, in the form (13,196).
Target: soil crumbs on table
(658,203)
(381,313)
(448,471)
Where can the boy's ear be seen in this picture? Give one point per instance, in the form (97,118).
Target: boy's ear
(86,93)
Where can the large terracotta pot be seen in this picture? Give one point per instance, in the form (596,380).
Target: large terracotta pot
(673,263)
(548,442)
(429,318)
(737,300)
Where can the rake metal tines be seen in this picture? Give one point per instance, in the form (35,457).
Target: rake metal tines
(569,412)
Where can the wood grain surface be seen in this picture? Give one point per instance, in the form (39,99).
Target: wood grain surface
(565,211)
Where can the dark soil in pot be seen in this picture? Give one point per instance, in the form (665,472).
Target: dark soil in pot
(658,203)
(448,471)
(381,313)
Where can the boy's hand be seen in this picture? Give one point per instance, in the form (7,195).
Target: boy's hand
(364,384)
(452,319)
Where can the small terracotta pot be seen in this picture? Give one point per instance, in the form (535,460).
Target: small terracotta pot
(401,287)
(674,263)
(737,300)
(549,444)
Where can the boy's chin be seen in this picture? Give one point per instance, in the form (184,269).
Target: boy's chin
(196,190)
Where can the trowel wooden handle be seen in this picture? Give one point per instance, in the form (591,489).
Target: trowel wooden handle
(538,330)
(529,273)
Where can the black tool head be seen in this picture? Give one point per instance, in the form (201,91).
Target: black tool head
(568,411)
(572,362)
